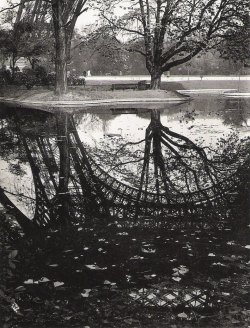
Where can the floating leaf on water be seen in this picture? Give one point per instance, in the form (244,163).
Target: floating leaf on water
(100,249)
(176,279)
(137,257)
(211,254)
(53,265)
(86,292)
(183,270)
(58,283)
(128,277)
(149,250)
(107,282)
(122,233)
(44,279)
(95,267)
(15,307)
(76,258)
(68,250)
(247,246)
(79,229)
(182,315)
(20,288)
(29,282)
(134,295)
(86,248)
(219,264)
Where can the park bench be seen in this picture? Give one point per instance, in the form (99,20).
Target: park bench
(124,86)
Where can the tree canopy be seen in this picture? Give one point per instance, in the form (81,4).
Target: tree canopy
(173,31)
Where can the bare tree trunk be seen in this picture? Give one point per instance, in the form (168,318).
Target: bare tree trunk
(155,79)
(61,49)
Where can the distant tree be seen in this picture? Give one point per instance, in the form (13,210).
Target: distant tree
(173,31)
(100,50)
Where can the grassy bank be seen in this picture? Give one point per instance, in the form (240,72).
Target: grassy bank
(89,92)
(97,90)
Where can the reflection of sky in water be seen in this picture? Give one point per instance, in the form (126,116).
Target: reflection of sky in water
(213,118)
(18,184)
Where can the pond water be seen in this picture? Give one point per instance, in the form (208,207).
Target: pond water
(205,117)
(176,266)
(204,120)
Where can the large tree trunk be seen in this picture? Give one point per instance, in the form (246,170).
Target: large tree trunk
(61,49)
(156,79)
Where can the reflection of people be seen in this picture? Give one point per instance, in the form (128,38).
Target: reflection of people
(88,73)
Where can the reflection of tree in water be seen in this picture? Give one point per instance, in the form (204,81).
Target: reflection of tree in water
(12,152)
(171,269)
(169,162)
(70,182)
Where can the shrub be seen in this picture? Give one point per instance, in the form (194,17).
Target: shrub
(29,78)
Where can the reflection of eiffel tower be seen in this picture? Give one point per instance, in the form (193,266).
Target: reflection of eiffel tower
(95,194)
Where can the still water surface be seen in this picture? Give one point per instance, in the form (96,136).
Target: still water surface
(204,120)
(167,268)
